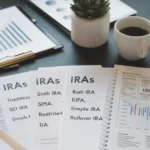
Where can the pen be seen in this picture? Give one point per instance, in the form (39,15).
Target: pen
(15,66)
(14,60)
(10,141)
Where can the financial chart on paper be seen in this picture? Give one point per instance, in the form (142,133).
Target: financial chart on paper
(134,104)
(11,36)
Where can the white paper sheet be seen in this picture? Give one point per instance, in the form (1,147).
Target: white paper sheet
(84,99)
(47,93)
(67,67)
(130,126)
(48,137)
(4,146)
(15,108)
(18,34)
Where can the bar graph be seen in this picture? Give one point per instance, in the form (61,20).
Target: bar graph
(134,114)
(137,110)
(11,36)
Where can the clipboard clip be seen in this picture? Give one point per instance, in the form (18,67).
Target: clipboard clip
(10,62)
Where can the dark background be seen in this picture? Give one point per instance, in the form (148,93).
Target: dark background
(106,55)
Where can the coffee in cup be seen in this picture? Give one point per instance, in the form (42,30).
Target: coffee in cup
(132,37)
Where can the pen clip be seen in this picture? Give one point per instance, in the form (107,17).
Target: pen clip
(15,66)
(13,56)
(12,60)
(30,18)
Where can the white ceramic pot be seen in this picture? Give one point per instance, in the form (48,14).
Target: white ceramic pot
(90,33)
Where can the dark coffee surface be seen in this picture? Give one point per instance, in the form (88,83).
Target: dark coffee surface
(134,31)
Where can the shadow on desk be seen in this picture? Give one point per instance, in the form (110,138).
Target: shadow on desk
(103,56)
(140,63)
(100,55)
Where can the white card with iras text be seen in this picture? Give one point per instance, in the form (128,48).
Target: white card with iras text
(15,108)
(47,89)
(85,93)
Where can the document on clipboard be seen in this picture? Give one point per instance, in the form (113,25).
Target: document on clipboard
(20,36)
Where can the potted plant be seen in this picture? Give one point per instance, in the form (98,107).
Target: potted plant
(90,21)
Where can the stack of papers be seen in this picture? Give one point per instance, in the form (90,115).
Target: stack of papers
(36,107)
(63,108)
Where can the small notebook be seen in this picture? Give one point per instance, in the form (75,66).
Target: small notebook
(59,11)
(126,125)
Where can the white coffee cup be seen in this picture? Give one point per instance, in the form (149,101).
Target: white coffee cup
(132,47)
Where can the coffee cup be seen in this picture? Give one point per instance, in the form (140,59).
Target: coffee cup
(132,47)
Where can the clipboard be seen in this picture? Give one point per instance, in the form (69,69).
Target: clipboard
(37,8)
(11,61)
(34,21)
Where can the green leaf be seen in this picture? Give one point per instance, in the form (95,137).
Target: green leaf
(93,2)
(86,4)
(90,12)
(102,12)
(81,2)
(79,6)
(104,3)
(90,8)
(81,14)
(75,1)
(73,8)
